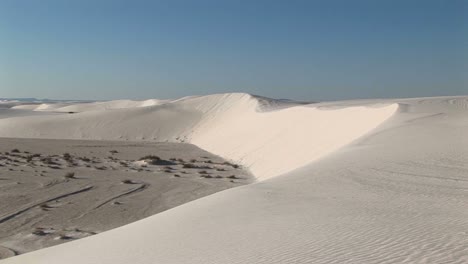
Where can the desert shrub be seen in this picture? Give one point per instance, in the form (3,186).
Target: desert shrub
(29,158)
(15,151)
(114,151)
(128,182)
(232,165)
(85,159)
(150,157)
(39,232)
(70,175)
(49,161)
(67,156)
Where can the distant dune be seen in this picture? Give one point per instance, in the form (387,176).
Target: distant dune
(364,181)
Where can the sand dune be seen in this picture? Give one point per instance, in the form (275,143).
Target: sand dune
(269,137)
(388,184)
(91,106)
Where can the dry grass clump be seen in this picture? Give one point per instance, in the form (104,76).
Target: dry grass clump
(150,157)
(235,166)
(49,161)
(70,175)
(29,158)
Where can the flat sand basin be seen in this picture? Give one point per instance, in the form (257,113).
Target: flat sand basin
(54,191)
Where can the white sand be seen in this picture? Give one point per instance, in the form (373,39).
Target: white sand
(394,194)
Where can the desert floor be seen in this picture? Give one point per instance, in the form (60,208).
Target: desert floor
(54,191)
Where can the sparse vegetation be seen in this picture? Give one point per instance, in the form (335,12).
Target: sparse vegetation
(39,232)
(128,182)
(49,161)
(155,160)
(15,151)
(29,158)
(65,237)
(67,157)
(85,159)
(70,175)
(150,157)
(235,166)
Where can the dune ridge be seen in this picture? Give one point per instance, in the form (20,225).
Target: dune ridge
(269,137)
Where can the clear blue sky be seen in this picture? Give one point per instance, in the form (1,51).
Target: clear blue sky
(311,50)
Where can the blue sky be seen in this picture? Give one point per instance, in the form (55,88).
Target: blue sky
(309,50)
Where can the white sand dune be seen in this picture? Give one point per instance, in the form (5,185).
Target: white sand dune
(388,185)
(267,136)
(93,106)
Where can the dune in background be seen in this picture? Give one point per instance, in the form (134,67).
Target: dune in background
(388,183)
